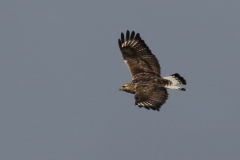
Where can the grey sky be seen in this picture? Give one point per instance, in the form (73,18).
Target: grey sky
(61,69)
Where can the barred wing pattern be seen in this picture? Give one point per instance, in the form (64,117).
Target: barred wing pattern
(137,55)
(150,96)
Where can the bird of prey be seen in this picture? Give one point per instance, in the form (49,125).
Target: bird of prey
(147,84)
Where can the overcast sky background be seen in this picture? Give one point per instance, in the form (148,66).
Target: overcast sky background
(61,70)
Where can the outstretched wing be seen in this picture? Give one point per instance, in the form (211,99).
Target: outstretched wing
(150,96)
(137,55)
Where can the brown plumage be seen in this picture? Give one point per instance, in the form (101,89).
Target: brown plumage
(147,85)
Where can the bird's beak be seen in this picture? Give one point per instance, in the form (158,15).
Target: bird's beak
(121,89)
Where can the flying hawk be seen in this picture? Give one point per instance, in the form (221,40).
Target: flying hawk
(147,84)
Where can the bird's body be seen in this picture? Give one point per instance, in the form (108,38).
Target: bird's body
(147,84)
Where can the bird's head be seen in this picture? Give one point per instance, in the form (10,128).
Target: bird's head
(128,88)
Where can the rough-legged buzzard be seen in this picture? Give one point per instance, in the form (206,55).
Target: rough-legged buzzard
(147,84)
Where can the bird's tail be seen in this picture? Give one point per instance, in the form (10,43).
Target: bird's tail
(174,80)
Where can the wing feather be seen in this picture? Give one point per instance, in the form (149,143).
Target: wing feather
(127,35)
(122,37)
(150,96)
(132,34)
(137,55)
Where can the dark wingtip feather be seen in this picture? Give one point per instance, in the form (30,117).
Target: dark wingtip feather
(137,35)
(127,35)
(147,107)
(119,43)
(122,37)
(132,35)
(155,108)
